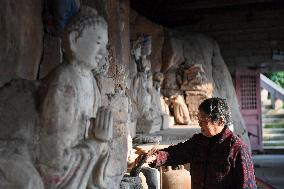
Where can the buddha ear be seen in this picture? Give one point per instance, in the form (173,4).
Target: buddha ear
(72,37)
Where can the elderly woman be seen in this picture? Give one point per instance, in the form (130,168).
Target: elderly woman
(218,158)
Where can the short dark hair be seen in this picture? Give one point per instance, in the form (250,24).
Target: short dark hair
(215,108)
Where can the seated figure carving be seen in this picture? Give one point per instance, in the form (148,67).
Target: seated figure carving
(73,149)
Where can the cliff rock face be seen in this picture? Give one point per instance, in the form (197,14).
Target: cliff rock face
(20,40)
(195,49)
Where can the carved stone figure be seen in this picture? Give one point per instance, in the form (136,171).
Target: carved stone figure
(158,80)
(181,113)
(18,133)
(145,98)
(74,151)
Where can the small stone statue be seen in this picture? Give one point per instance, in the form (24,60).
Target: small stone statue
(74,151)
(142,81)
(181,113)
(144,96)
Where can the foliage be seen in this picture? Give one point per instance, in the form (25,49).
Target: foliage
(277,77)
(274,125)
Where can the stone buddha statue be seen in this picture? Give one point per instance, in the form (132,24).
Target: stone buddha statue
(74,129)
(53,133)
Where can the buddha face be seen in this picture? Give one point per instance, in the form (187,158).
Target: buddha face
(89,49)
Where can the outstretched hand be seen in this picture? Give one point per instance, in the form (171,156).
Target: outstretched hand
(102,126)
(150,155)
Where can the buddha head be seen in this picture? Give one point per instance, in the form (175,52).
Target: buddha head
(85,39)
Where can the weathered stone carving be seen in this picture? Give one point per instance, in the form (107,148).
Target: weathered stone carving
(144,96)
(182,80)
(181,113)
(63,138)
(70,156)
(18,136)
(193,100)
(197,88)
(195,79)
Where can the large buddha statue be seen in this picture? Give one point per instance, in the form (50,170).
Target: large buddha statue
(73,146)
(53,133)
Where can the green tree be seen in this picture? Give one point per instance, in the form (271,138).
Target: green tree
(277,77)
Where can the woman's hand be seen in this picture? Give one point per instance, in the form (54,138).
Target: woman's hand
(150,155)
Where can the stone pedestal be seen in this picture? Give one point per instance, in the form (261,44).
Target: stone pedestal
(149,126)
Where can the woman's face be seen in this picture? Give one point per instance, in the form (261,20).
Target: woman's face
(209,128)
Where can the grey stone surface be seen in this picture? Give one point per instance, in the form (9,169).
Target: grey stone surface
(18,120)
(131,183)
(52,55)
(21,39)
(119,146)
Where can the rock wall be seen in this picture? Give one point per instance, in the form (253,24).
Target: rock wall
(21,39)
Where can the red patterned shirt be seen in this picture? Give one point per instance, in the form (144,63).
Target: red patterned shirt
(219,162)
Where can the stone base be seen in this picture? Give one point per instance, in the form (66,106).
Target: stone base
(129,182)
(141,139)
(145,126)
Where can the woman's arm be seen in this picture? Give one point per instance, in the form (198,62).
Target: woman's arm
(179,154)
(244,172)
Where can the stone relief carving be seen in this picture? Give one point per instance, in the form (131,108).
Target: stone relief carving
(63,137)
(69,156)
(181,113)
(18,136)
(179,82)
